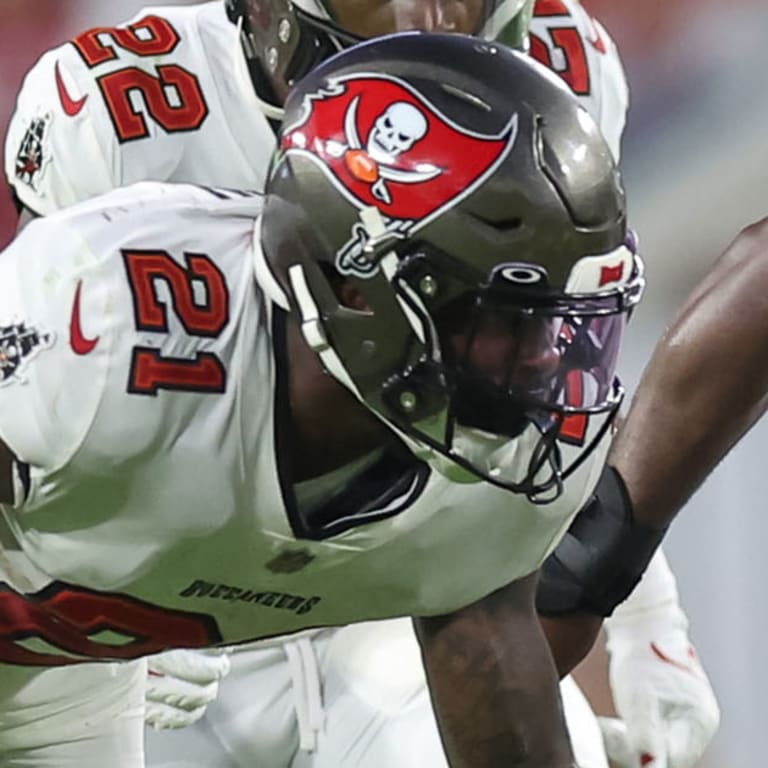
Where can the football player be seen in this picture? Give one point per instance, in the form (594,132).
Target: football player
(317,415)
(170,96)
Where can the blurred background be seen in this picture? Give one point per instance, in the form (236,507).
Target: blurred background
(696,166)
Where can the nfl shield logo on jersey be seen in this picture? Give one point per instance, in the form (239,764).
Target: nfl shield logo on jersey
(383,144)
(32,157)
(290,561)
(18,344)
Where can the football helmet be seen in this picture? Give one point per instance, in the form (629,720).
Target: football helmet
(285,39)
(473,208)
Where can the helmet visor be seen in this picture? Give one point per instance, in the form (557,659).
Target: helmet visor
(521,364)
(504,361)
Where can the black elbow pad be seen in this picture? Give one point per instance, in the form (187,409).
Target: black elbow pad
(601,558)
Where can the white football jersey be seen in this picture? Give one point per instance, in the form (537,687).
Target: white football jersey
(143,387)
(164,97)
(569,41)
(168,97)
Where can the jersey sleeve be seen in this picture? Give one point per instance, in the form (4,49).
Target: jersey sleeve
(114,106)
(569,41)
(84,290)
(60,148)
(52,368)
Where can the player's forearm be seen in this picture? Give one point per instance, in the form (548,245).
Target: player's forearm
(494,686)
(705,386)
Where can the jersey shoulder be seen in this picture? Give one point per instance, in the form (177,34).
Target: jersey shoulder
(147,99)
(72,316)
(565,38)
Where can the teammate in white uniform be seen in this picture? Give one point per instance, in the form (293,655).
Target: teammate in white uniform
(168,97)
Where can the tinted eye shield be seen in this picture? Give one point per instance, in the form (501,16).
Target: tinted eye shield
(508,337)
(500,427)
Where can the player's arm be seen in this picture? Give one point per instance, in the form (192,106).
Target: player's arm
(48,393)
(594,568)
(60,146)
(570,638)
(660,690)
(493,683)
(706,384)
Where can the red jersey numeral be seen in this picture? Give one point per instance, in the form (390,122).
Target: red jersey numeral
(70,619)
(203,314)
(550,8)
(573,428)
(172,97)
(569,41)
(151,36)
(576,70)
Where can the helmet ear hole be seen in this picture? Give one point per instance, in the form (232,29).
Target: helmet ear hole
(345,290)
(350,296)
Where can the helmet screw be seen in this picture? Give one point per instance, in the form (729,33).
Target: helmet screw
(408,401)
(272,59)
(368,348)
(284,31)
(428,286)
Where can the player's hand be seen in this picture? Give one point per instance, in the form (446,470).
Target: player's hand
(180,685)
(668,710)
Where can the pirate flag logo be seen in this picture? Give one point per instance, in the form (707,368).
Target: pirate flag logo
(383,144)
(31,157)
(18,344)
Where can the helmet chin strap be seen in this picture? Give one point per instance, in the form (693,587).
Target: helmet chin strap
(313,332)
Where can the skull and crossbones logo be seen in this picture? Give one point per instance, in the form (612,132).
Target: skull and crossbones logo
(394,132)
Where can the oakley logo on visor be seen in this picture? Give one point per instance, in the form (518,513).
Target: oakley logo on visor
(385,145)
(523,274)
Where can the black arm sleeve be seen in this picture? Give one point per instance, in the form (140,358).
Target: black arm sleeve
(601,558)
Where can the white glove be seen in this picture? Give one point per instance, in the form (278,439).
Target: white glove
(660,689)
(180,685)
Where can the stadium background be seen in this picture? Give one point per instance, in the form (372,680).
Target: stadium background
(696,166)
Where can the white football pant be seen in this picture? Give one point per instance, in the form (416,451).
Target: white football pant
(353,697)
(81,716)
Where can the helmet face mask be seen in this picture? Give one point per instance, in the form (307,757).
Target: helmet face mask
(505,362)
(284,39)
(488,251)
